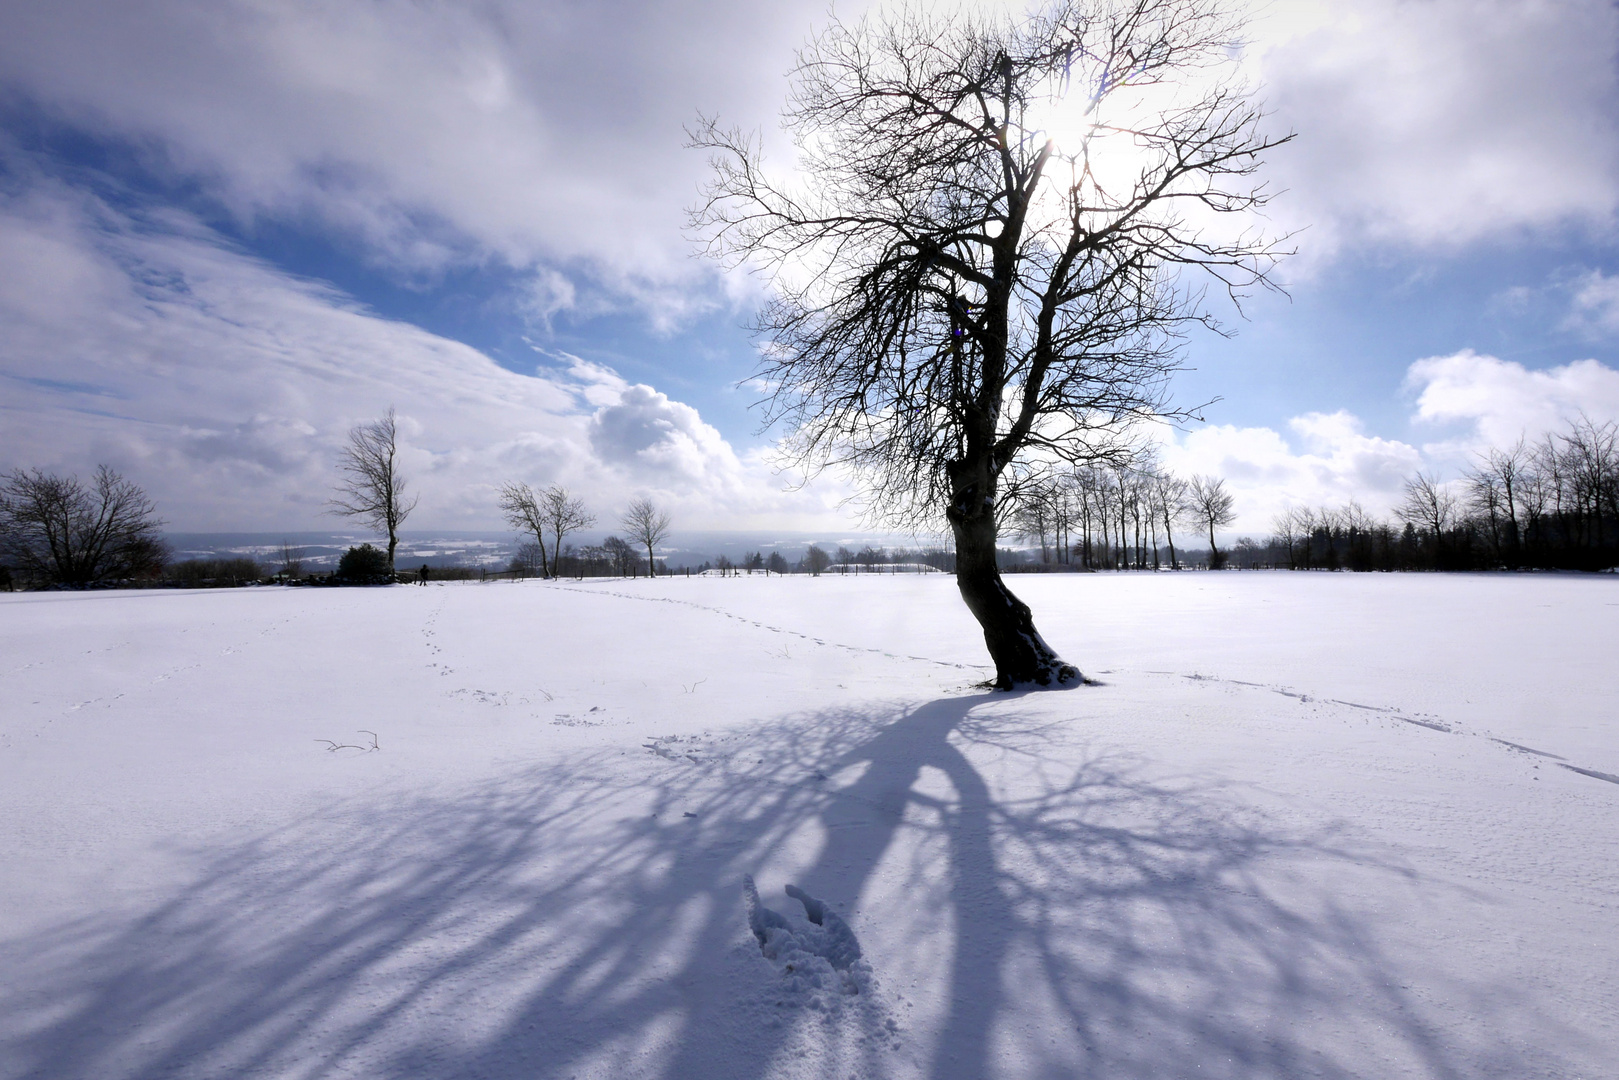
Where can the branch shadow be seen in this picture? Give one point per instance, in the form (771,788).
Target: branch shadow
(583,918)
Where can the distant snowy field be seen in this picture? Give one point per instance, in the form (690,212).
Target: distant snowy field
(1308,825)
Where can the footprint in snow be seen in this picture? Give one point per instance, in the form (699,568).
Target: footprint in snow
(821,955)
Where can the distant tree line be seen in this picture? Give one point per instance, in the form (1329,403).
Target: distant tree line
(1120,515)
(1551,504)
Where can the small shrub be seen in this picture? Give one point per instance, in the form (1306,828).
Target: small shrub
(363,565)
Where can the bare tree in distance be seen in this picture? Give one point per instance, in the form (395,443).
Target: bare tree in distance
(371,489)
(1212,505)
(647,526)
(521,507)
(563,514)
(291,560)
(990,258)
(60,531)
(621,555)
(816,559)
(1170,502)
(1429,505)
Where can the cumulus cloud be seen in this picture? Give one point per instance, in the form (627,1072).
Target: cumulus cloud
(1496,401)
(653,435)
(1336,461)
(1443,122)
(225,387)
(1469,401)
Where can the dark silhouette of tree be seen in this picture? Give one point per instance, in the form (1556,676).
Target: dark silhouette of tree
(364,565)
(1430,506)
(647,526)
(987,262)
(371,489)
(529,560)
(563,514)
(521,506)
(60,531)
(620,554)
(816,559)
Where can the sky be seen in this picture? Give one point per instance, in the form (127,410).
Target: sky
(230,232)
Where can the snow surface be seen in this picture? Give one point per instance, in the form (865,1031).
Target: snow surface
(1308,825)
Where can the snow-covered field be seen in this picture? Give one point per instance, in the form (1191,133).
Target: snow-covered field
(1306,825)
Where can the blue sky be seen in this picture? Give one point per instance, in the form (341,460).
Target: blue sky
(229,232)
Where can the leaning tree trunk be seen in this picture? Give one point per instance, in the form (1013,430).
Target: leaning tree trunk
(1022,658)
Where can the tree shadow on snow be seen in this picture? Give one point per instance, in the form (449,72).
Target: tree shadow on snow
(584,918)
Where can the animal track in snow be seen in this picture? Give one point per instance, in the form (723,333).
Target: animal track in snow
(1433,724)
(773,629)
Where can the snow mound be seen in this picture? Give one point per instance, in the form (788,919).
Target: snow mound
(819,959)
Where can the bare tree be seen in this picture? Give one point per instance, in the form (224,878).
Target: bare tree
(58,530)
(816,559)
(291,560)
(1429,505)
(371,489)
(1212,506)
(1169,502)
(987,262)
(621,555)
(530,559)
(564,514)
(1285,533)
(647,526)
(1033,517)
(521,507)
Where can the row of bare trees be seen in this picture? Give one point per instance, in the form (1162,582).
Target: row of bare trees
(1548,504)
(557,511)
(372,490)
(1118,516)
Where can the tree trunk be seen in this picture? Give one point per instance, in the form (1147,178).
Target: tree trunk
(545,570)
(1022,658)
(393,542)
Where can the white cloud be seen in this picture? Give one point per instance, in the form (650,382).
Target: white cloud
(1594,306)
(1338,462)
(652,435)
(1479,401)
(542,135)
(549,136)
(1497,401)
(226,387)
(1442,122)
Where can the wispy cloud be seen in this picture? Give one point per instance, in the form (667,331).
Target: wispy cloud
(226,386)
(1594,305)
